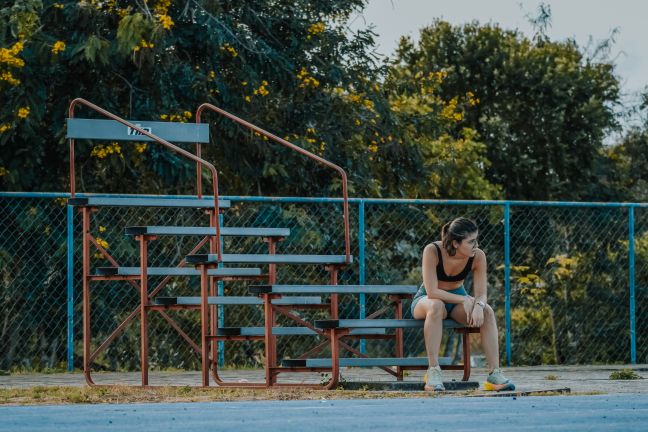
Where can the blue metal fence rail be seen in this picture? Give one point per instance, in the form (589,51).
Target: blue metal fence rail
(362,205)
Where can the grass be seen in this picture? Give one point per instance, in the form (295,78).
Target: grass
(551,377)
(625,374)
(52,395)
(57,395)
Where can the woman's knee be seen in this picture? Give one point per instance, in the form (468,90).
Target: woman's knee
(435,309)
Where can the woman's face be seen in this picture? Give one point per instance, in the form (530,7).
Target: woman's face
(468,246)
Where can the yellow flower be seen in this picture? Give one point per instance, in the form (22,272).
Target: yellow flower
(101,151)
(227,47)
(4,127)
(315,29)
(3,171)
(58,47)
(58,6)
(102,228)
(23,112)
(247,99)
(8,76)
(262,90)
(187,114)
(61,201)
(166,21)
(368,104)
(140,147)
(8,55)
(162,7)
(306,79)
(103,243)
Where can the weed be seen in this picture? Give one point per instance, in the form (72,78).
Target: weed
(625,374)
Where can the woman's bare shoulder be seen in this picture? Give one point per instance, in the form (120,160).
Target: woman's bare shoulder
(430,251)
(480,256)
(430,248)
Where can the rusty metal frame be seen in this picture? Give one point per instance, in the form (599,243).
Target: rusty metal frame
(88,239)
(336,334)
(270,340)
(145,296)
(165,143)
(248,125)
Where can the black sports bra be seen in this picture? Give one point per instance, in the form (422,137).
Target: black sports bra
(443,277)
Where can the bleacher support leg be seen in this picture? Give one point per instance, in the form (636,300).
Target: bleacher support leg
(204,323)
(400,352)
(144,303)
(86,295)
(333,280)
(465,337)
(270,346)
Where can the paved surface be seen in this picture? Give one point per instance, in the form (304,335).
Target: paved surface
(578,378)
(576,413)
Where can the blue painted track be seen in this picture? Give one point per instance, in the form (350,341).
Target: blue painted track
(555,413)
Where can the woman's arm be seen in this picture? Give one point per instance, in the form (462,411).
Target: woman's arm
(476,317)
(479,277)
(430,281)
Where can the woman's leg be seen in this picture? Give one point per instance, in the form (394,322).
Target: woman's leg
(489,338)
(487,332)
(433,311)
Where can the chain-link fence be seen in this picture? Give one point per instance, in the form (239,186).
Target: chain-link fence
(577,291)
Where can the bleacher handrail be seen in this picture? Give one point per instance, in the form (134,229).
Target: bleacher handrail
(174,148)
(248,125)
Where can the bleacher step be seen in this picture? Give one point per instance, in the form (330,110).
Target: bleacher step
(177,271)
(207,231)
(333,289)
(147,202)
(286,331)
(267,259)
(386,323)
(364,362)
(237,300)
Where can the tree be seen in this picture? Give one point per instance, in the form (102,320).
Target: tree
(544,106)
(271,62)
(289,67)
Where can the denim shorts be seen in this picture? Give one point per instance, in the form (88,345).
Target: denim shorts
(421,293)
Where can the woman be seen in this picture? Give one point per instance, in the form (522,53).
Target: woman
(445,266)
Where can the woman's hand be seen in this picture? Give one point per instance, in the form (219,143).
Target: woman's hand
(468,305)
(477,316)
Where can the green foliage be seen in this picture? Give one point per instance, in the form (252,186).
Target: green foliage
(625,374)
(289,67)
(544,107)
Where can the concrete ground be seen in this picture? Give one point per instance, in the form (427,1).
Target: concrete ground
(605,413)
(579,379)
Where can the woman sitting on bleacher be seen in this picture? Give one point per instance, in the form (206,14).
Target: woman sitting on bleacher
(446,264)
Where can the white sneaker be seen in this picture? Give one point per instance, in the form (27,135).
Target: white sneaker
(433,379)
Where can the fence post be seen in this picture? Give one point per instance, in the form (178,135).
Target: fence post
(631,279)
(507,279)
(361,261)
(70,288)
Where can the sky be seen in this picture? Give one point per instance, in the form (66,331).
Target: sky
(576,19)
